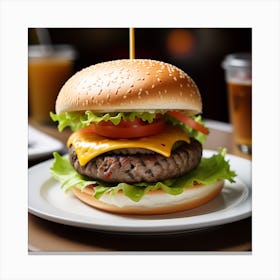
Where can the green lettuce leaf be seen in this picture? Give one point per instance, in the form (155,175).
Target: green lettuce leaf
(208,172)
(200,137)
(77,120)
(63,171)
(74,120)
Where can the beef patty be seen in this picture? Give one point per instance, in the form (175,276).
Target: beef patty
(140,165)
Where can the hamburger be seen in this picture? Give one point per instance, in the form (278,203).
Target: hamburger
(137,139)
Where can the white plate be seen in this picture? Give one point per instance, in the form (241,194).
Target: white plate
(40,144)
(48,201)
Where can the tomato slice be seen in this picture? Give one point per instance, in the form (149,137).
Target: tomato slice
(188,121)
(128,129)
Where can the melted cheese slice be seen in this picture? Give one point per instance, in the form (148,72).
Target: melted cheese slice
(89,145)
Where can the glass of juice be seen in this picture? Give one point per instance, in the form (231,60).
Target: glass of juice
(238,74)
(48,69)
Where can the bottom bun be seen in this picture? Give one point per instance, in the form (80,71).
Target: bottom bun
(154,202)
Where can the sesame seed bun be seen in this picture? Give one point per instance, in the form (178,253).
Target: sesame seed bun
(129,85)
(155,202)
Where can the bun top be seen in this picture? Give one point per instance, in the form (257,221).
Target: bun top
(129,85)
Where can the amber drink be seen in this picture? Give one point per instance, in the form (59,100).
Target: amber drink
(48,69)
(239,86)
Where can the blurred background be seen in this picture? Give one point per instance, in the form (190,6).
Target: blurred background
(197,51)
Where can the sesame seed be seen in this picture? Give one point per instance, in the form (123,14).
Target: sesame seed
(175,79)
(147,92)
(153,85)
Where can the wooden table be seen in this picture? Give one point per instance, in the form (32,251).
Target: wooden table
(46,236)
